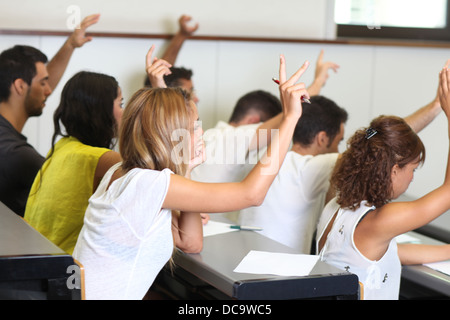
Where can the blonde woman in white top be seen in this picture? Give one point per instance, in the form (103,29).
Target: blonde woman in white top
(127,236)
(357,229)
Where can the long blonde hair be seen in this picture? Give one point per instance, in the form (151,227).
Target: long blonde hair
(146,138)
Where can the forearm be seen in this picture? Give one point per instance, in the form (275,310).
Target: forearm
(421,253)
(192,196)
(58,64)
(187,228)
(267,127)
(171,53)
(422,117)
(447,171)
(265,171)
(315,87)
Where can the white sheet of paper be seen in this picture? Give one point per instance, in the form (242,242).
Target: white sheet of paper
(406,238)
(213,227)
(281,264)
(442,266)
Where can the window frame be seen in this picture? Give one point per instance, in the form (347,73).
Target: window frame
(400,33)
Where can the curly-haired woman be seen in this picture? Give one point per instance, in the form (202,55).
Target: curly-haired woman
(357,229)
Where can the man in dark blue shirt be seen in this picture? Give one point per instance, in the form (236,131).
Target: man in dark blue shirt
(26,80)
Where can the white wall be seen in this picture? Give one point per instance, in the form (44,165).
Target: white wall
(372,80)
(263,18)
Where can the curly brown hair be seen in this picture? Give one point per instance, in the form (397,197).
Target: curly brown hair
(364,170)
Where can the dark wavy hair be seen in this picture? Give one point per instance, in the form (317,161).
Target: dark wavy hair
(18,62)
(364,170)
(86,110)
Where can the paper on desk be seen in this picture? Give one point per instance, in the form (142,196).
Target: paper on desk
(442,266)
(214,227)
(281,264)
(406,238)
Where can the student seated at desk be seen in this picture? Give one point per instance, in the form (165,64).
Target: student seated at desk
(90,111)
(357,229)
(293,205)
(129,229)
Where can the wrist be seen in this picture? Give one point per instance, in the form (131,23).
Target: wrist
(315,87)
(70,44)
(291,118)
(182,35)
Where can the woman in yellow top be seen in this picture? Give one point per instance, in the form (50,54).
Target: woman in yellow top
(90,111)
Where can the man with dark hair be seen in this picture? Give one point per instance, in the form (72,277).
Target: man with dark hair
(324,124)
(231,147)
(26,80)
(178,77)
(234,147)
(291,209)
(258,106)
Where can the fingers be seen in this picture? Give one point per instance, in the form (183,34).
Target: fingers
(156,69)
(333,66)
(89,21)
(282,71)
(148,57)
(183,21)
(444,89)
(443,81)
(320,58)
(447,63)
(205,218)
(294,78)
(155,63)
(300,90)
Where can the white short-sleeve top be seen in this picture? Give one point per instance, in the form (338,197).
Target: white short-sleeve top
(126,238)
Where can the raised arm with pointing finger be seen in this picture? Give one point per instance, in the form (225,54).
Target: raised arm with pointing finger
(321,74)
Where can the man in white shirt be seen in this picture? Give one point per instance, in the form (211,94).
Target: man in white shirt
(293,204)
(231,147)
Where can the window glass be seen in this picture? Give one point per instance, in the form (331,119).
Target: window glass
(392,13)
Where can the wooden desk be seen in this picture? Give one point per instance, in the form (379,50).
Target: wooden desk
(31,267)
(209,274)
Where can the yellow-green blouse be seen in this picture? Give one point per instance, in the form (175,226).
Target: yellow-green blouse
(57,202)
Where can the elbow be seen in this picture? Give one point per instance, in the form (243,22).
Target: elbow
(258,201)
(192,245)
(252,193)
(256,198)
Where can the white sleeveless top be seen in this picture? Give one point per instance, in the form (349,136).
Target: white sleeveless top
(126,238)
(381,279)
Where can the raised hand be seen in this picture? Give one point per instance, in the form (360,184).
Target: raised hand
(156,69)
(321,74)
(185,29)
(444,90)
(78,38)
(291,92)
